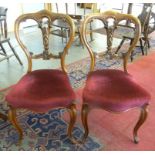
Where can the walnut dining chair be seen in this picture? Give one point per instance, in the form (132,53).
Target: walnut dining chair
(113,90)
(43,89)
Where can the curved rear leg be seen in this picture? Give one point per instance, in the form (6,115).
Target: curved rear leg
(13,120)
(72,112)
(84,117)
(142,118)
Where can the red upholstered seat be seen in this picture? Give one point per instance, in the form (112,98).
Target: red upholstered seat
(41,90)
(113,90)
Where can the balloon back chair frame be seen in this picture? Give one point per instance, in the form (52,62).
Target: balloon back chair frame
(46,55)
(117,17)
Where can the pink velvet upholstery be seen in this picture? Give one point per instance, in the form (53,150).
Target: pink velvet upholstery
(113,90)
(41,90)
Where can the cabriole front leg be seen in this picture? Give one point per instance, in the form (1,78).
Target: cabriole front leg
(73,113)
(12,118)
(142,118)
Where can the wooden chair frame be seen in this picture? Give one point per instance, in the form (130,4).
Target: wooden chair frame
(46,54)
(38,16)
(117,18)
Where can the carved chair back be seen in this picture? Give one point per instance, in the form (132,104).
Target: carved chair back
(110,20)
(44,26)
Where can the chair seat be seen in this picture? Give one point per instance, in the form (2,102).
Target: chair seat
(126,32)
(114,90)
(40,91)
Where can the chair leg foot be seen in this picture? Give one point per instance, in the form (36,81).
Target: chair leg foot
(84,116)
(72,112)
(142,118)
(13,120)
(136,140)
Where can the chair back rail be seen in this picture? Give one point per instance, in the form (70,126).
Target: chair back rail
(104,18)
(45,29)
